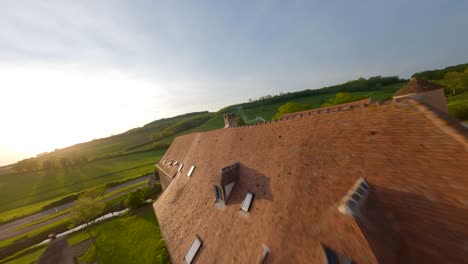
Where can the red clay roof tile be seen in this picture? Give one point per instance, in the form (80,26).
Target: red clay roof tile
(300,169)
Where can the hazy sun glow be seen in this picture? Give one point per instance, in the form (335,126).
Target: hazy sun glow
(52,108)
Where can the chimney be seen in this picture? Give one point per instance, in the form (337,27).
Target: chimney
(230,120)
(224,182)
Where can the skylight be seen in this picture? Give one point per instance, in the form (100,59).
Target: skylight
(354,198)
(193,250)
(180,167)
(247,202)
(190,171)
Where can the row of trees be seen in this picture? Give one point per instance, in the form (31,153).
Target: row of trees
(291,107)
(441,74)
(361,84)
(48,163)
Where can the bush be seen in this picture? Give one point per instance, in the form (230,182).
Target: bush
(135,199)
(289,108)
(460,112)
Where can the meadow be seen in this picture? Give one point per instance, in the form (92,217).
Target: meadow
(129,239)
(23,189)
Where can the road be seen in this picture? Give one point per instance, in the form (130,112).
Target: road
(9,230)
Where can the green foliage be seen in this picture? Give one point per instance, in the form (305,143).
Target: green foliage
(342,98)
(240,121)
(26,165)
(290,107)
(182,125)
(135,199)
(129,239)
(454,78)
(376,83)
(440,74)
(35,187)
(458,106)
(88,207)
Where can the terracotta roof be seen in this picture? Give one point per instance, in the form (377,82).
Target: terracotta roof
(414,160)
(417,85)
(340,107)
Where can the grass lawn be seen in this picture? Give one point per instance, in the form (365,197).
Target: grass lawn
(128,239)
(31,256)
(17,190)
(35,232)
(26,210)
(458,105)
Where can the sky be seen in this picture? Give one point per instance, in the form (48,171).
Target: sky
(72,71)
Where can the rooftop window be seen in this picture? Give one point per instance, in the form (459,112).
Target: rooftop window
(190,171)
(164,161)
(354,198)
(180,167)
(193,250)
(247,202)
(265,252)
(334,258)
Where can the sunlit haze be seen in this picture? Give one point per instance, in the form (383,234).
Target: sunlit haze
(72,71)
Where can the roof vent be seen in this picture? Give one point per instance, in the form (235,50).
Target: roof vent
(190,171)
(354,198)
(193,250)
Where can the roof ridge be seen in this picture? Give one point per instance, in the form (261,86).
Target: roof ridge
(448,124)
(309,113)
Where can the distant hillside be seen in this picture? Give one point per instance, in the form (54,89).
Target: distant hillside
(454,78)
(134,152)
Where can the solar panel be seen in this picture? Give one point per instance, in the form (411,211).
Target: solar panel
(190,171)
(193,250)
(180,167)
(247,202)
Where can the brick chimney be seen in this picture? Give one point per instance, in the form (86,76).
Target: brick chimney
(230,120)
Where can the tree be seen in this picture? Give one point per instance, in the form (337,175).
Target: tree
(240,121)
(135,199)
(88,207)
(65,162)
(342,97)
(49,164)
(289,108)
(26,165)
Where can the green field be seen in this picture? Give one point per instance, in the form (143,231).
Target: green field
(458,105)
(17,190)
(129,239)
(27,256)
(126,239)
